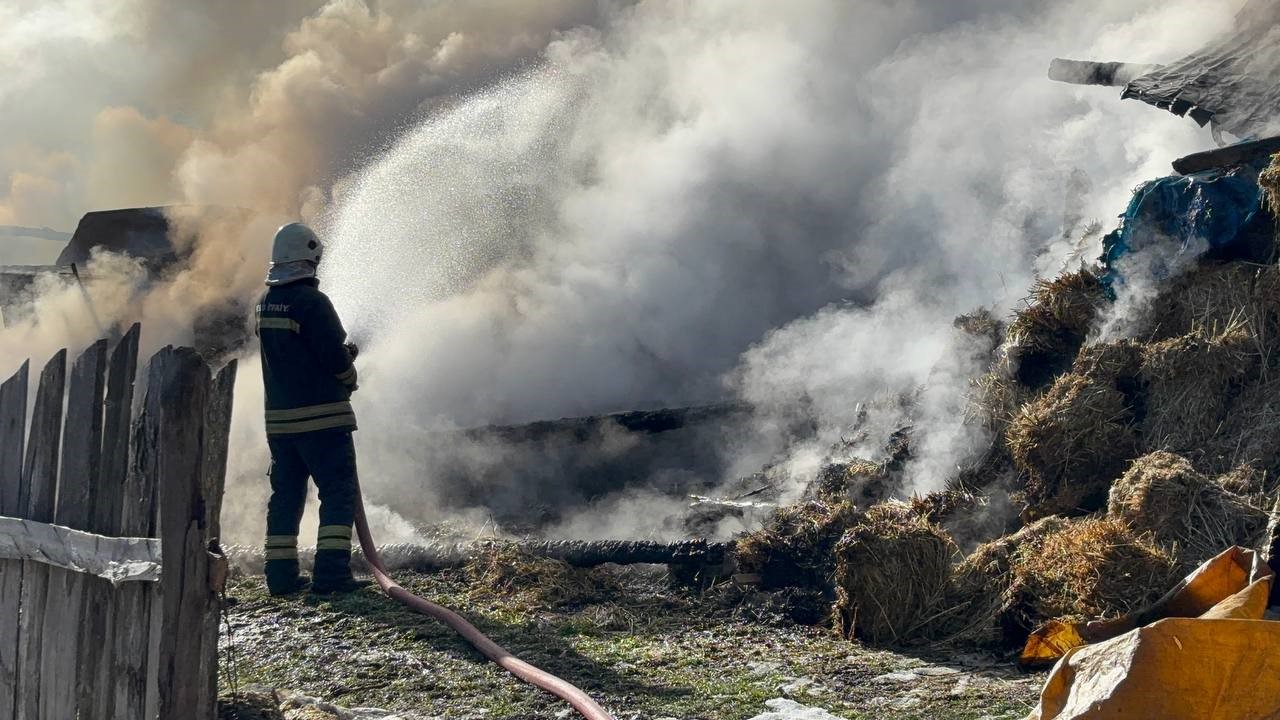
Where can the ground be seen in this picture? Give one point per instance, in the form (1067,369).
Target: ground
(646,652)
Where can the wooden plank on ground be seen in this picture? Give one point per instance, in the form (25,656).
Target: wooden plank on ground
(217,432)
(39,488)
(77,485)
(180,382)
(13,418)
(98,687)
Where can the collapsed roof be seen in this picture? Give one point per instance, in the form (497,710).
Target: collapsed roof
(141,233)
(1232,83)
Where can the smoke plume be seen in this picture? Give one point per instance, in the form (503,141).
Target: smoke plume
(539,210)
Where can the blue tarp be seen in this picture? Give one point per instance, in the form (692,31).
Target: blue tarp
(1212,210)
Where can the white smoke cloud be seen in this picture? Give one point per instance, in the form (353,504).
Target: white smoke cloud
(820,186)
(569,208)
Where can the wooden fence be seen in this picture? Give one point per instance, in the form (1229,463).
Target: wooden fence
(110,571)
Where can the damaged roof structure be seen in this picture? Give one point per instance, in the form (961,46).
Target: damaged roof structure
(1232,84)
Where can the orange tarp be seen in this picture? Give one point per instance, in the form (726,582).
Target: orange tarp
(1203,651)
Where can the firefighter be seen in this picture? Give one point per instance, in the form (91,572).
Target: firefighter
(309,375)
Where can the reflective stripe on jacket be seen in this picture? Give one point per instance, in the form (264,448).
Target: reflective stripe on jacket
(306,370)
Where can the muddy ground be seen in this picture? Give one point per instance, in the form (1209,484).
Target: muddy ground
(643,650)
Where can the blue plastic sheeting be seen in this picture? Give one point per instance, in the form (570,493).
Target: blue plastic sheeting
(1210,210)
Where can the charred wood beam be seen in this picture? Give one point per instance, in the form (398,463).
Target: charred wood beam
(1237,154)
(1086,72)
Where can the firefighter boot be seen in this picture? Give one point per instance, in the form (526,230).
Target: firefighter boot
(283,577)
(333,573)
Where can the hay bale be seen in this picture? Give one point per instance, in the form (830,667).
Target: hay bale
(982,325)
(1087,568)
(942,505)
(978,599)
(506,570)
(1187,514)
(1070,444)
(794,547)
(1115,363)
(1213,297)
(1269,181)
(1250,435)
(891,572)
(994,399)
(1190,383)
(858,481)
(1045,335)
(1246,481)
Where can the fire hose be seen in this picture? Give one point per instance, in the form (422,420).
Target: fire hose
(580,701)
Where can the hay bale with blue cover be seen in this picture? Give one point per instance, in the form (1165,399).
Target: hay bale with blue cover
(1174,220)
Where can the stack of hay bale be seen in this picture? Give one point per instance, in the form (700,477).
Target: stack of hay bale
(1135,459)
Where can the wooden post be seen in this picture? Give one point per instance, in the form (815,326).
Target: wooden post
(81,452)
(37,493)
(216,434)
(13,419)
(98,683)
(177,400)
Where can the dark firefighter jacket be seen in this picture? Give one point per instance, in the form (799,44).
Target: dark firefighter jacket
(306,369)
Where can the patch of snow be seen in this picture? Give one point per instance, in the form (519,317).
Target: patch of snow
(783,709)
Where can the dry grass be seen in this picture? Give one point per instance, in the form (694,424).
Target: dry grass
(1190,383)
(858,481)
(1115,363)
(1269,181)
(891,574)
(1088,568)
(1250,434)
(979,596)
(1045,335)
(794,547)
(984,326)
(1245,481)
(1212,298)
(942,505)
(505,571)
(994,399)
(1187,514)
(1070,444)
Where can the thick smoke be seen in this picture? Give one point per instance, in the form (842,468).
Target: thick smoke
(548,209)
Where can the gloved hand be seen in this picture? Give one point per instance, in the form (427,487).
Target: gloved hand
(353,350)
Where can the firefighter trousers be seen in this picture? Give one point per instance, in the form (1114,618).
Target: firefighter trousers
(329,458)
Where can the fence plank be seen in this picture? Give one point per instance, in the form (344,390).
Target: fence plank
(64,601)
(13,418)
(36,499)
(216,434)
(98,679)
(180,381)
(131,617)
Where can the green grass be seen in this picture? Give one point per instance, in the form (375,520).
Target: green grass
(645,653)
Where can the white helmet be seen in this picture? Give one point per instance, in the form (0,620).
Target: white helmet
(295,254)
